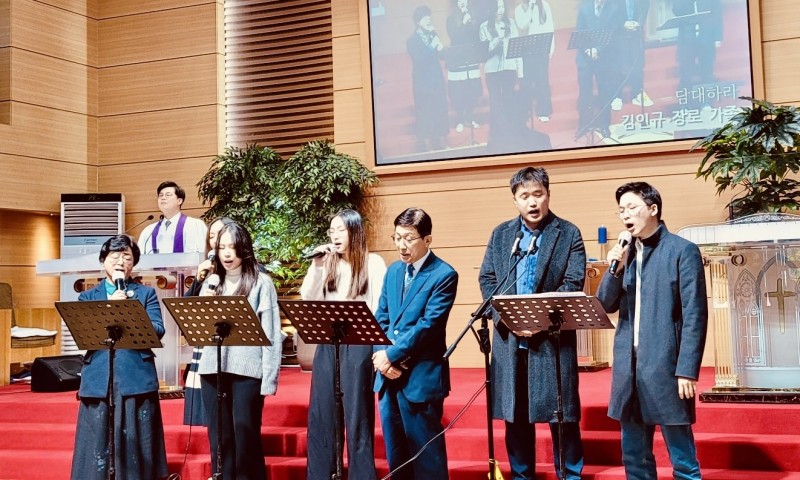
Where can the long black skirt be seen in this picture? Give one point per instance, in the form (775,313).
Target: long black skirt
(139,437)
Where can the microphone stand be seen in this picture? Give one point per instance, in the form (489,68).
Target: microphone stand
(482,336)
(223,331)
(114,335)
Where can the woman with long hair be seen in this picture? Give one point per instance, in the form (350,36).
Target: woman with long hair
(247,373)
(138,427)
(193,413)
(346,270)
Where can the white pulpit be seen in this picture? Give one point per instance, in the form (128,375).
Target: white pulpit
(754,266)
(165,272)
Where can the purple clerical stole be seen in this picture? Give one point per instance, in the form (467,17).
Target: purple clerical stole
(177,244)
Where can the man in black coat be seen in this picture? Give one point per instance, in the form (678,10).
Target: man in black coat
(660,337)
(523,367)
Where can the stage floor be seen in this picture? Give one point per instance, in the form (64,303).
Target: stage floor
(735,441)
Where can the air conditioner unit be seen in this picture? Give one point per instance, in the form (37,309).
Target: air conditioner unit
(88,220)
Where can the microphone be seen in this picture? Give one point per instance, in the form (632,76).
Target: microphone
(119,279)
(149,217)
(623,239)
(532,246)
(213,281)
(317,254)
(203,273)
(515,247)
(143,247)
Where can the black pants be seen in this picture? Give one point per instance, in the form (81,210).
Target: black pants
(359,413)
(242,454)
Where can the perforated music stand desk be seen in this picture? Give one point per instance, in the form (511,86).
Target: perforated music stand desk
(88,322)
(198,319)
(583,39)
(529,45)
(684,20)
(217,321)
(109,325)
(576,310)
(552,312)
(466,55)
(336,323)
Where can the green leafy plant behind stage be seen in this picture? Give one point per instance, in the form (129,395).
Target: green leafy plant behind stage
(756,151)
(285,204)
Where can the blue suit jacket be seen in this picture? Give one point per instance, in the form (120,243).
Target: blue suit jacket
(134,370)
(416,323)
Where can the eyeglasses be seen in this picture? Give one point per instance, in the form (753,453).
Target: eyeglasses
(631,210)
(332,232)
(405,239)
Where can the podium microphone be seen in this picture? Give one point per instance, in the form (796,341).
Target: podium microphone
(623,239)
(515,247)
(532,246)
(119,279)
(143,247)
(149,217)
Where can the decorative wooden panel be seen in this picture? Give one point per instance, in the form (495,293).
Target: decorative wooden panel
(120,8)
(779,17)
(782,68)
(51,82)
(156,136)
(47,133)
(180,32)
(53,31)
(278,72)
(161,85)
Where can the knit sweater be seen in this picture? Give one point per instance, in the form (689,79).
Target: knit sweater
(314,282)
(254,362)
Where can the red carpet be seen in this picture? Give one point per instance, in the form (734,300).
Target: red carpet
(735,441)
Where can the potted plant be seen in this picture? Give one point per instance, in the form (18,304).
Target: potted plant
(756,150)
(286,205)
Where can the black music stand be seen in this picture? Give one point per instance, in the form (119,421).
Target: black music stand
(336,323)
(552,312)
(464,57)
(109,325)
(217,321)
(529,46)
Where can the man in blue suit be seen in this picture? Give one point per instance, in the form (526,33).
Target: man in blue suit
(413,377)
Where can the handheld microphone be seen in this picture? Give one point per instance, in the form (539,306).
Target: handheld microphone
(203,273)
(149,217)
(119,279)
(213,281)
(532,248)
(317,253)
(623,239)
(515,247)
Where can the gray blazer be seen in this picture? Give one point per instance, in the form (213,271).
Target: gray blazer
(560,267)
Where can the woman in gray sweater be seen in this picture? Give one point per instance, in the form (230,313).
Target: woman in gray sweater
(247,373)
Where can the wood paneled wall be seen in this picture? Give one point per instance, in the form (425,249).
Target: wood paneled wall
(467,199)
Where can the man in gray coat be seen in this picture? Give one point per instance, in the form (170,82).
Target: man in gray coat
(524,367)
(658,346)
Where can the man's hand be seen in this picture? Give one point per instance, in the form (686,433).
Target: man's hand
(686,388)
(382,364)
(118,295)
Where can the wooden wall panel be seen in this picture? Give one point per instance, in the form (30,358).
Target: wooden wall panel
(779,19)
(35,184)
(345,17)
(151,36)
(170,84)
(52,82)
(348,74)
(349,116)
(782,68)
(53,31)
(155,136)
(27,238)
(139,182)
(47,133)
(121,8)
(86,8)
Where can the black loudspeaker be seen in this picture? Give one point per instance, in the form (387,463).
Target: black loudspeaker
(56,374)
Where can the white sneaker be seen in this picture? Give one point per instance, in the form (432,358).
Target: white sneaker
(616,104)
(476,125)
(460,127)
(544,119)
(642,99)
